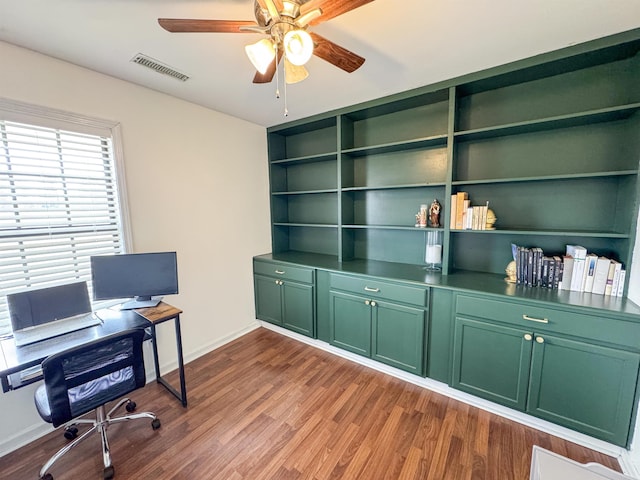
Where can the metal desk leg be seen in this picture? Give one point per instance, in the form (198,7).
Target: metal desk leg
(182,395)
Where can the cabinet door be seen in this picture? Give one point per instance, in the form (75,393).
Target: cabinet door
(268,299)
(492,361)
(297,304)
(398,336)
(350,326)
(586,387)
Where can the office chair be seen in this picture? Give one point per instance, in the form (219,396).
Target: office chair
(85,378)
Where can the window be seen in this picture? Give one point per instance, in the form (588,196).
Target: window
(59,201)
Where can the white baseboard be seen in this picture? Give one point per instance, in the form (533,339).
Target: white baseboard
(593,443)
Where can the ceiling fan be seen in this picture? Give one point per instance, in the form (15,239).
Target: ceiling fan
(285,22)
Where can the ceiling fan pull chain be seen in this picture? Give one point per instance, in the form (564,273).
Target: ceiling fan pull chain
(277,75)
(286,110)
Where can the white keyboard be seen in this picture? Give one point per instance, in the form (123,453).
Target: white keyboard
(54,329)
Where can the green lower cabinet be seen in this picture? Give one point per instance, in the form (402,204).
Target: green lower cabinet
(586,387)
(286,303)
(491,361)
(268,299)
(387,332)
(398,336)
(350,323)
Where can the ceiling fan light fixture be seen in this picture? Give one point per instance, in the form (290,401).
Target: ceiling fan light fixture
(294,73)
(298,47)
(261,54)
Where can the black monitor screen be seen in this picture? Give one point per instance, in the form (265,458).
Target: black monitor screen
(139,275)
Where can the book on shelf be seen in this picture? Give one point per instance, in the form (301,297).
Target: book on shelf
(616,279)
(464,215)
(567,273)
(579,255)
(610,273)
(558,270)
(589,272)
(600,276)
(623,275)
(461,197)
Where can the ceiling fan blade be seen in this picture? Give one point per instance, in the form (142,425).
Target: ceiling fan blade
(331,8)
(335,54)
(267,76)
(184,25)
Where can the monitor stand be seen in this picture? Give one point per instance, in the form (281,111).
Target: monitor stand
(141,302)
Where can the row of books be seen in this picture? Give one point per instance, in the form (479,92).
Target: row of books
(465,216)
(576,270)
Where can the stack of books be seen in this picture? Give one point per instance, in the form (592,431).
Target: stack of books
(465,216)
(576,270)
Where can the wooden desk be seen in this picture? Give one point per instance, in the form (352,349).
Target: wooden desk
(157,315)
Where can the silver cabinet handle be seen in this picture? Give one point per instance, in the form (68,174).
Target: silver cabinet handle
(539,339)
(369,289)
(373,304)
(528,337)
(532,319)
(280,272)
(277,282)
(367,302)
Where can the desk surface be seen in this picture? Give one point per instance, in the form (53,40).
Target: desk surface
(159,313)
(14,359)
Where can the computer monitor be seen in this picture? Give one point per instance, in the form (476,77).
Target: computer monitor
(138,275)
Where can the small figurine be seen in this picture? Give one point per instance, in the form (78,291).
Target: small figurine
(434,213)
(511,272)
(491,220)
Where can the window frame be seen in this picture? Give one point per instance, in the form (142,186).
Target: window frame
(40,116)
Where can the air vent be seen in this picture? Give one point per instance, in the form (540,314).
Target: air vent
(159,67)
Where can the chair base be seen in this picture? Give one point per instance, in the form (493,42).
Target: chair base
(100,424)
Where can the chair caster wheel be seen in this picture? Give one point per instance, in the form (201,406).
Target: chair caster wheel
(47,476)
(155,424)
(131,406)
(108,473)
(70,433)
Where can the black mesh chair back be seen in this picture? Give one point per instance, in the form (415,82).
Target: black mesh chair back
(85,378)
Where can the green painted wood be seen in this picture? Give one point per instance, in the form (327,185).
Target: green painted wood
(297,307)
(398,336)
(294,177)
(598,87)
(439,336)
(491,361)
(381,290)
(284,271)
(587,387)
(428,165)
(350,323)
(398,246)
(322,306)
(268,299)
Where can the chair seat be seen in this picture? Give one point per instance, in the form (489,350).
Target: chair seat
(42,403)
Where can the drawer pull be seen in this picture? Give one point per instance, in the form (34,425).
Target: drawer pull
(528,337)
(369,289)
(280,272)
(539,339)
(367,302)
(539,320)
(373,304)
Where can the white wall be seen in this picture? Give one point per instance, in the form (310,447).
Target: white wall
(197,183)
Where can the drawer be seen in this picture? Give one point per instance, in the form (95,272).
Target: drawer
(540,318)
(370,287)
(284,271)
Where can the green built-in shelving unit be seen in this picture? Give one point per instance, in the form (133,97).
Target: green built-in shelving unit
(551,142)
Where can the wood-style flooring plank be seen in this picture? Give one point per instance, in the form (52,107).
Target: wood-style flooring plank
(266,407)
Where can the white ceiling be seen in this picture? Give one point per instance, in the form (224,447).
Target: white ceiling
(406,44)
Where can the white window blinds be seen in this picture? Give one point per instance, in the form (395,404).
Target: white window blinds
(58,206)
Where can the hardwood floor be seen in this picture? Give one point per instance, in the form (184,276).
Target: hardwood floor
(268,407)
